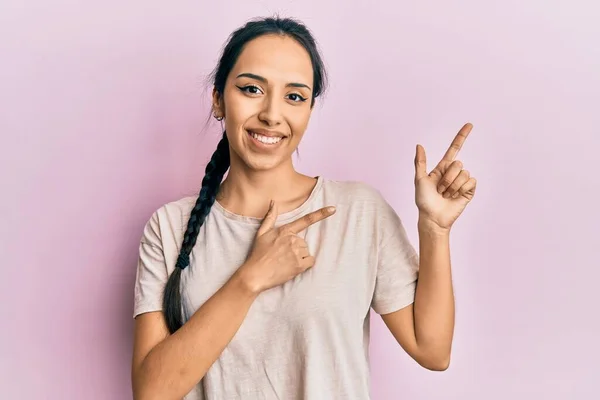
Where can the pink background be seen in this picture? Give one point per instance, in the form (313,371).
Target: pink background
(102,116)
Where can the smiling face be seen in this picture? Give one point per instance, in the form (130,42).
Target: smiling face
(267,101)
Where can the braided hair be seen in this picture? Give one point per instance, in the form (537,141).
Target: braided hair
(220,160)
(215,170)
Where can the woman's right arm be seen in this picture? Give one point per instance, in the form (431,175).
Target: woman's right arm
(169,366)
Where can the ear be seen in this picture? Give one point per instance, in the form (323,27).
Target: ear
(217,104)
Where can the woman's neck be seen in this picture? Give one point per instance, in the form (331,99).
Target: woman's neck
(246,192)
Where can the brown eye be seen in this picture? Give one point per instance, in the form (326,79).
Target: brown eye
(295,97)
(251,89)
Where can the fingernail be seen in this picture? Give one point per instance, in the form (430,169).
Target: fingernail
(331,209)
(446,195)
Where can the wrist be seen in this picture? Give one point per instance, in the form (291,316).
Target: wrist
(431,228)
(244,280)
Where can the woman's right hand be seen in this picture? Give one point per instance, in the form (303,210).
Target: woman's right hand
(279,254)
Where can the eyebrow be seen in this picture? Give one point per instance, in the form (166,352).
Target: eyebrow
(264,80)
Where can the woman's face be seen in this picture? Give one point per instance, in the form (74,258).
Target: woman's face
(267,101)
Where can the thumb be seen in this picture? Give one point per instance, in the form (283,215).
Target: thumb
(420,163)
(269,220)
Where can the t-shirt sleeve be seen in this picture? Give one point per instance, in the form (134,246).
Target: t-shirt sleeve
(151,275)
(397,263)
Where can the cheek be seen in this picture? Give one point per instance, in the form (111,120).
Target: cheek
(299,121)
(238,107)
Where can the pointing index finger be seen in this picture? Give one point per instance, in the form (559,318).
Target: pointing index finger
(309,219)
(457,143)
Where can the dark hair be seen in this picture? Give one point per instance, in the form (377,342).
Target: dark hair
(219,163)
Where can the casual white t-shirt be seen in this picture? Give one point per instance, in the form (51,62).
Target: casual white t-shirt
(308,338)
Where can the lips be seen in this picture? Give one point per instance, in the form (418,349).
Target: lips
(265,137)
(266,133)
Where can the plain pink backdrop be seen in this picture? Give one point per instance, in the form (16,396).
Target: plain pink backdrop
(103,107)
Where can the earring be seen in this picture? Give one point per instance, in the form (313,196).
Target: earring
(218,117)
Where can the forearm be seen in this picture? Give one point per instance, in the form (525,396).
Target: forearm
(179,362)
(434,299)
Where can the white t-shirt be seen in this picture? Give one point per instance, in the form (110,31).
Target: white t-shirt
(308,338)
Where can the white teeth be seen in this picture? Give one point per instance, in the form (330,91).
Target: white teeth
(266,139)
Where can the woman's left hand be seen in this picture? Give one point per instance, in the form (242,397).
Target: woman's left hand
(443,194)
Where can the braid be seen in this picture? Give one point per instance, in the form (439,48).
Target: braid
(215,170)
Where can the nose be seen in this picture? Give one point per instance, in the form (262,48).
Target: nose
(270,114)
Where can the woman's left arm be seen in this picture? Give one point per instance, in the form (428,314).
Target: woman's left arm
(425,328)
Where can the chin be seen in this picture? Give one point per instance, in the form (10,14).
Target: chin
(263,163)
(261,160)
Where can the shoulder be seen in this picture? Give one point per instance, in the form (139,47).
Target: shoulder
(169,218)
(177,209)
(354,192)
(361,202)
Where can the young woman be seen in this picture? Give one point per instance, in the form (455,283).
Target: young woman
(261,286)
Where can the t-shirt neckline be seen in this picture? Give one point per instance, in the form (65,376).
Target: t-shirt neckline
(282,218)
